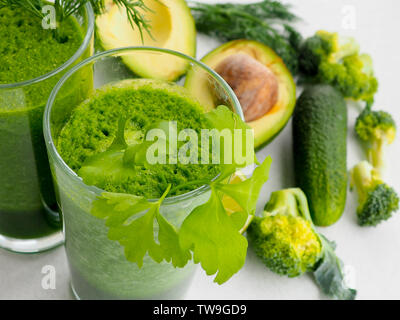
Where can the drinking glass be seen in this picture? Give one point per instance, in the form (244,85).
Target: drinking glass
(98,265)
(29,216)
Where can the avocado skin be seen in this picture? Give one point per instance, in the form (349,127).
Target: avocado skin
(320,150)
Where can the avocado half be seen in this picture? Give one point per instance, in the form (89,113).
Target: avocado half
(269,125)
(172,27)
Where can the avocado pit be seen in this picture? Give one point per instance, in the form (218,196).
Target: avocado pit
(255,85)
(272,121)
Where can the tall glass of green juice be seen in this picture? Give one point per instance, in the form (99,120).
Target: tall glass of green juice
(32,61)
(78,135)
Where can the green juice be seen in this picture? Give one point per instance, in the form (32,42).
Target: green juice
(93,125)
(98,265)
(28,206)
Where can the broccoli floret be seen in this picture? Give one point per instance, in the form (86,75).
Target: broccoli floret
(286,240)
(283,238)
(377,201)
(292,246)
(328,58)
(377,129)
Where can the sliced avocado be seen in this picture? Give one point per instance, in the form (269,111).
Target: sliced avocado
(267,126)
(172,27)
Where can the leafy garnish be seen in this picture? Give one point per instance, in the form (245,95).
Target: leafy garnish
(214,239)
(209,231)
(329,273)
(246,193)
(137,235)
(239,219)
(169,242)
(133,227)
(213,235)
(222,119)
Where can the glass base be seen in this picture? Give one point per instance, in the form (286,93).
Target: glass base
(74,292)
(32,245)
(82,290)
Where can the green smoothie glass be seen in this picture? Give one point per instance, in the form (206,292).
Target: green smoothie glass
(98,265)
(29,216)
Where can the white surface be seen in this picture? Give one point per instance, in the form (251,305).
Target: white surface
(373,253)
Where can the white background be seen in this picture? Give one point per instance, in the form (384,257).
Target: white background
(373,254)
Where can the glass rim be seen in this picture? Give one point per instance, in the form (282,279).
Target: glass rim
(66,64)
(96,57)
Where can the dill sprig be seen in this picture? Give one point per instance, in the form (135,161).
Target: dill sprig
(269,22)
(134,11)
(32,6)
(65,8)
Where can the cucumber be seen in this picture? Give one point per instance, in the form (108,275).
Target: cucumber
(319,151)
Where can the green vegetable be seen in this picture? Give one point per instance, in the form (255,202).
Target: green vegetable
(172,27)
(319,150)
(284,238)
(222,118)
(329,274)
(331,59)
(209,232)
(213,235)
(267,126)
(288,243)
(259,21)
(214,238)
(137,237)
(377,129)
(377,201)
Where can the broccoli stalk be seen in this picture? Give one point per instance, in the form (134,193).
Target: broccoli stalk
(377,201)
(288,243)
(377,129)
(331,59)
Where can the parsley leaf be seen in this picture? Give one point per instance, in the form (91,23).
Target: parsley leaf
(137,238)
(169,240)
(214,239)
(136,234)
(239,219)
(238,154)
(246,193)
(208,231)
(213,235)
(116,208)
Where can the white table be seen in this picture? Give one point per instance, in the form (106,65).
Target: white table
(373,253)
